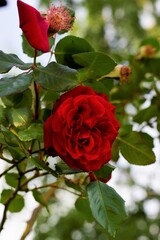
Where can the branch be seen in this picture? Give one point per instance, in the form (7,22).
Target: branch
(35,213)
(7,205)
(14,165)
(52,185)
(19,187)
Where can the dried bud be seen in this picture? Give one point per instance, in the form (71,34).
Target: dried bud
(121,72)
(59,18)
(125,72)
(147,51)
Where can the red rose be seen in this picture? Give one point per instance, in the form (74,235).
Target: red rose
(34,27)
(81,129)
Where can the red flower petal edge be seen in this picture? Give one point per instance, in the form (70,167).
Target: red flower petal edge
(34,27)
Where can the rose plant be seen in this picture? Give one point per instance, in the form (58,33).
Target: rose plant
(70,110)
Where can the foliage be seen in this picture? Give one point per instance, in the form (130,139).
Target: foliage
(27,100)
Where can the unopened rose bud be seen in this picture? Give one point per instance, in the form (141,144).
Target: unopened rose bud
(121,72)
(147,51)
(59,18)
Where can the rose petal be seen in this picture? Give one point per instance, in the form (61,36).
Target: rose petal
(34,26)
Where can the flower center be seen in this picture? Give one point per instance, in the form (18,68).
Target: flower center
(59,18)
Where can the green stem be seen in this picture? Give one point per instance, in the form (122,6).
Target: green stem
(36,102)
(52,185)
(35,56)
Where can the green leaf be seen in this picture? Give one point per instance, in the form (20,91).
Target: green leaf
(67,47)
(2,141)
(42,165)
(27,49)
(34,131)
(56,77)
(12,180)
(2,114)
(106,205)
(136,148)
(97,64)
(115,151)
(18,100)
(146,114)
(9,137)
(16,204)
(7,61)
(158,123)
(83,207)
(15,84)
(39,198)
(63,168)
(71,184)
(97,86)
(19,117)
(105,171)
(16,154)
(151,41)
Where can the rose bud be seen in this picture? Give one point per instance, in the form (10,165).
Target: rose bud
(146,51)
(34,27)
(81,129)
(121,72)
(38,27)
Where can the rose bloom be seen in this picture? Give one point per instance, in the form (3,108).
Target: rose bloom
(81,129)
